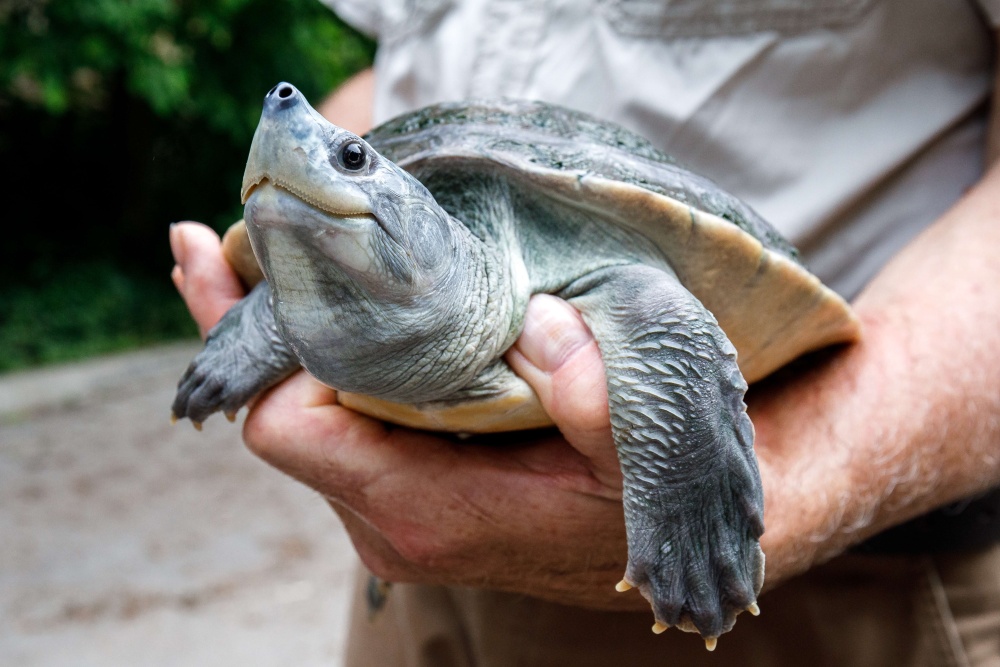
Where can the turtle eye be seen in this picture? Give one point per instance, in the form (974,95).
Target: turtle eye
(352,156)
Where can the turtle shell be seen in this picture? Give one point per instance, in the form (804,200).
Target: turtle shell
(741,268)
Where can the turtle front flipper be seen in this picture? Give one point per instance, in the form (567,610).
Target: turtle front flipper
(692,493)
(243,356)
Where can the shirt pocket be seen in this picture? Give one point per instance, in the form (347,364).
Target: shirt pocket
(708,18)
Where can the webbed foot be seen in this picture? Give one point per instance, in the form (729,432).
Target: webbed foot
(219,379)
(699,562)
(691,488)
(243,355)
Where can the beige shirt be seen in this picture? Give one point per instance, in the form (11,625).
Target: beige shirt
(849,124)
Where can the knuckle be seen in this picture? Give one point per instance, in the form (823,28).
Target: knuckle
(337,469)
(578,402)
(261,434)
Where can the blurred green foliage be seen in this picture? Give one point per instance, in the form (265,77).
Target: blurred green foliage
(96,309)
(116,118)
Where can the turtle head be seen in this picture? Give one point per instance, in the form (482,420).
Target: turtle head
(368,273)
(322,204)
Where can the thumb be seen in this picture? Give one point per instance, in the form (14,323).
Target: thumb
(557,355)
(205,280)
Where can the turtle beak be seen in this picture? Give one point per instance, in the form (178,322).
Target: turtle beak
(289,149)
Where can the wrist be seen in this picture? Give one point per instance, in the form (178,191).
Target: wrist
(825,465)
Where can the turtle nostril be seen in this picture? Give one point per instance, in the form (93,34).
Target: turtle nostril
(283,96)
(283,90)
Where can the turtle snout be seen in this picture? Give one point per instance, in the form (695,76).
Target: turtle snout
(282,96)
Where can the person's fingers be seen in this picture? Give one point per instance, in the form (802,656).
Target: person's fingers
(421,507)
(204,279)
(558,356)
(285,447)
(299,428)
(410,487)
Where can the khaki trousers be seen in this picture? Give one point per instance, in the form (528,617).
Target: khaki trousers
(856,610)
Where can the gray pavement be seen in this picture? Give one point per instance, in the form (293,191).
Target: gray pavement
(127,541)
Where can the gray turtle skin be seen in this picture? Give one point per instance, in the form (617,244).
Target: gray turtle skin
(409,285)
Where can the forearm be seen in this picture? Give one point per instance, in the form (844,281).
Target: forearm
(904,421)
(939,306)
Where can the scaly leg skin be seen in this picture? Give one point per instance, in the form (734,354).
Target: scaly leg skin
(692,493)
(243,356)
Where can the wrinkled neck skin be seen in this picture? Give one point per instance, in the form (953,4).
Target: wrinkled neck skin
(405,304)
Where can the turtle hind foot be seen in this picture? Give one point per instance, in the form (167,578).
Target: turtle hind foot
(702,609)
(659,627)
(701,565)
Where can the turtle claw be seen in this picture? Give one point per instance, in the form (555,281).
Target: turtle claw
(623,586)
(704,589)
(711,642)
(173,419)
(754,609)
(659,628)
(197,425)
(230,415)
(243,355)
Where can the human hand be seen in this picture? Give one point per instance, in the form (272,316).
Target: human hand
(532,513)
(864,437)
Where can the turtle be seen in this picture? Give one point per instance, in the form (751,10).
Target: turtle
(397,267)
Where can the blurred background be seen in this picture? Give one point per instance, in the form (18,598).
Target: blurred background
(124,540)
(118,117)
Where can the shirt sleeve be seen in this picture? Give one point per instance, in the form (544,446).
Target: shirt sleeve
(991,8)
(366,16)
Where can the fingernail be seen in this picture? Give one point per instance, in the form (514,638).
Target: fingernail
(553,331)
(177,242)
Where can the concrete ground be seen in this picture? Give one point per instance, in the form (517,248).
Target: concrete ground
(127,541)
